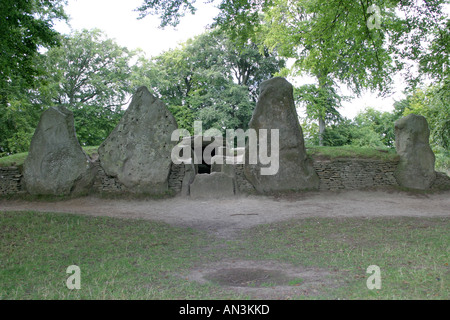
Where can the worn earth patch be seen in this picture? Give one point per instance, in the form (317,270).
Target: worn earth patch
(269,280)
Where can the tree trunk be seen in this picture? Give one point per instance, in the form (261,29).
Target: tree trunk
(322,87)
(321,130)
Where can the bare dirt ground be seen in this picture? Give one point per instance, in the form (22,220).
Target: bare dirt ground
(227,217)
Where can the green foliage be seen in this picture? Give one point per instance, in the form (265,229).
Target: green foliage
(241,19)
(19,115)
(208,78)
(25,26)
(433,103)
(170,11)
(321,104)
(381,124)
(339,134)
(435,61)
(310,132)
(366,137)
(184,117)
(89,74)
(370,128)
(332,41)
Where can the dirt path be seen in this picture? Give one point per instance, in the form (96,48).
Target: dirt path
(225,217)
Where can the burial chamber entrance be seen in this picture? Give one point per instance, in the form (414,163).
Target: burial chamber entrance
(209,149)
(210,179)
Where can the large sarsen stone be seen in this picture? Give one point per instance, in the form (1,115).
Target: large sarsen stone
(416,167)
(56,163)
(276,110)
(138,151)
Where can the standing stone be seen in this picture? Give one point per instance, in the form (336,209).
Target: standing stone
(216,185)
(138,151)
(56,163)
(276,110)
(416,167)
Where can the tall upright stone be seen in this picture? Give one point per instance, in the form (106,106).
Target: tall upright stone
(138,150)
(276,110)
(416,166)
(56,163)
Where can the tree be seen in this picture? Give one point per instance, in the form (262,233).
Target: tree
(380,124)
(432,102)
(90,75)
(170,11)
(321,103)
(334,41)
(18,117)
(209,79)
(26,26)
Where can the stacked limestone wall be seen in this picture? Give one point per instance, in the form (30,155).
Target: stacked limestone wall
(442,181)
(355,173)
(10,180)
(176,177)
(338,174)
(244,186)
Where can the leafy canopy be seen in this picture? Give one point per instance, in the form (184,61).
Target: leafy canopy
(90,75)
(25,27)
(209,78)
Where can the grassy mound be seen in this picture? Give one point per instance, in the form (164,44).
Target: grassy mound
(17,160)
(319,153)
(350,152)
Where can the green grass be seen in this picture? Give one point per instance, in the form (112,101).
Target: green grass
(137,259)
(351,152)
(13,160)
(18,159)
(119,259)
(413,253)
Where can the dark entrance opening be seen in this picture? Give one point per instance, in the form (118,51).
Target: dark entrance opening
(205,168)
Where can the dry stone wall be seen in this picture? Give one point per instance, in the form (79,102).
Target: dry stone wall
(104,183)
(355,173)
(176,177)
(338,174)
(10,180)
(442,181)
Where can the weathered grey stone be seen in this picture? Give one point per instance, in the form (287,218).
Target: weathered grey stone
(212,186)
(416,167)
(138,151)
(276,110)
(56,163)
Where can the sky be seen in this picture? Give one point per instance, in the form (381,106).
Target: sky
(118,20)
